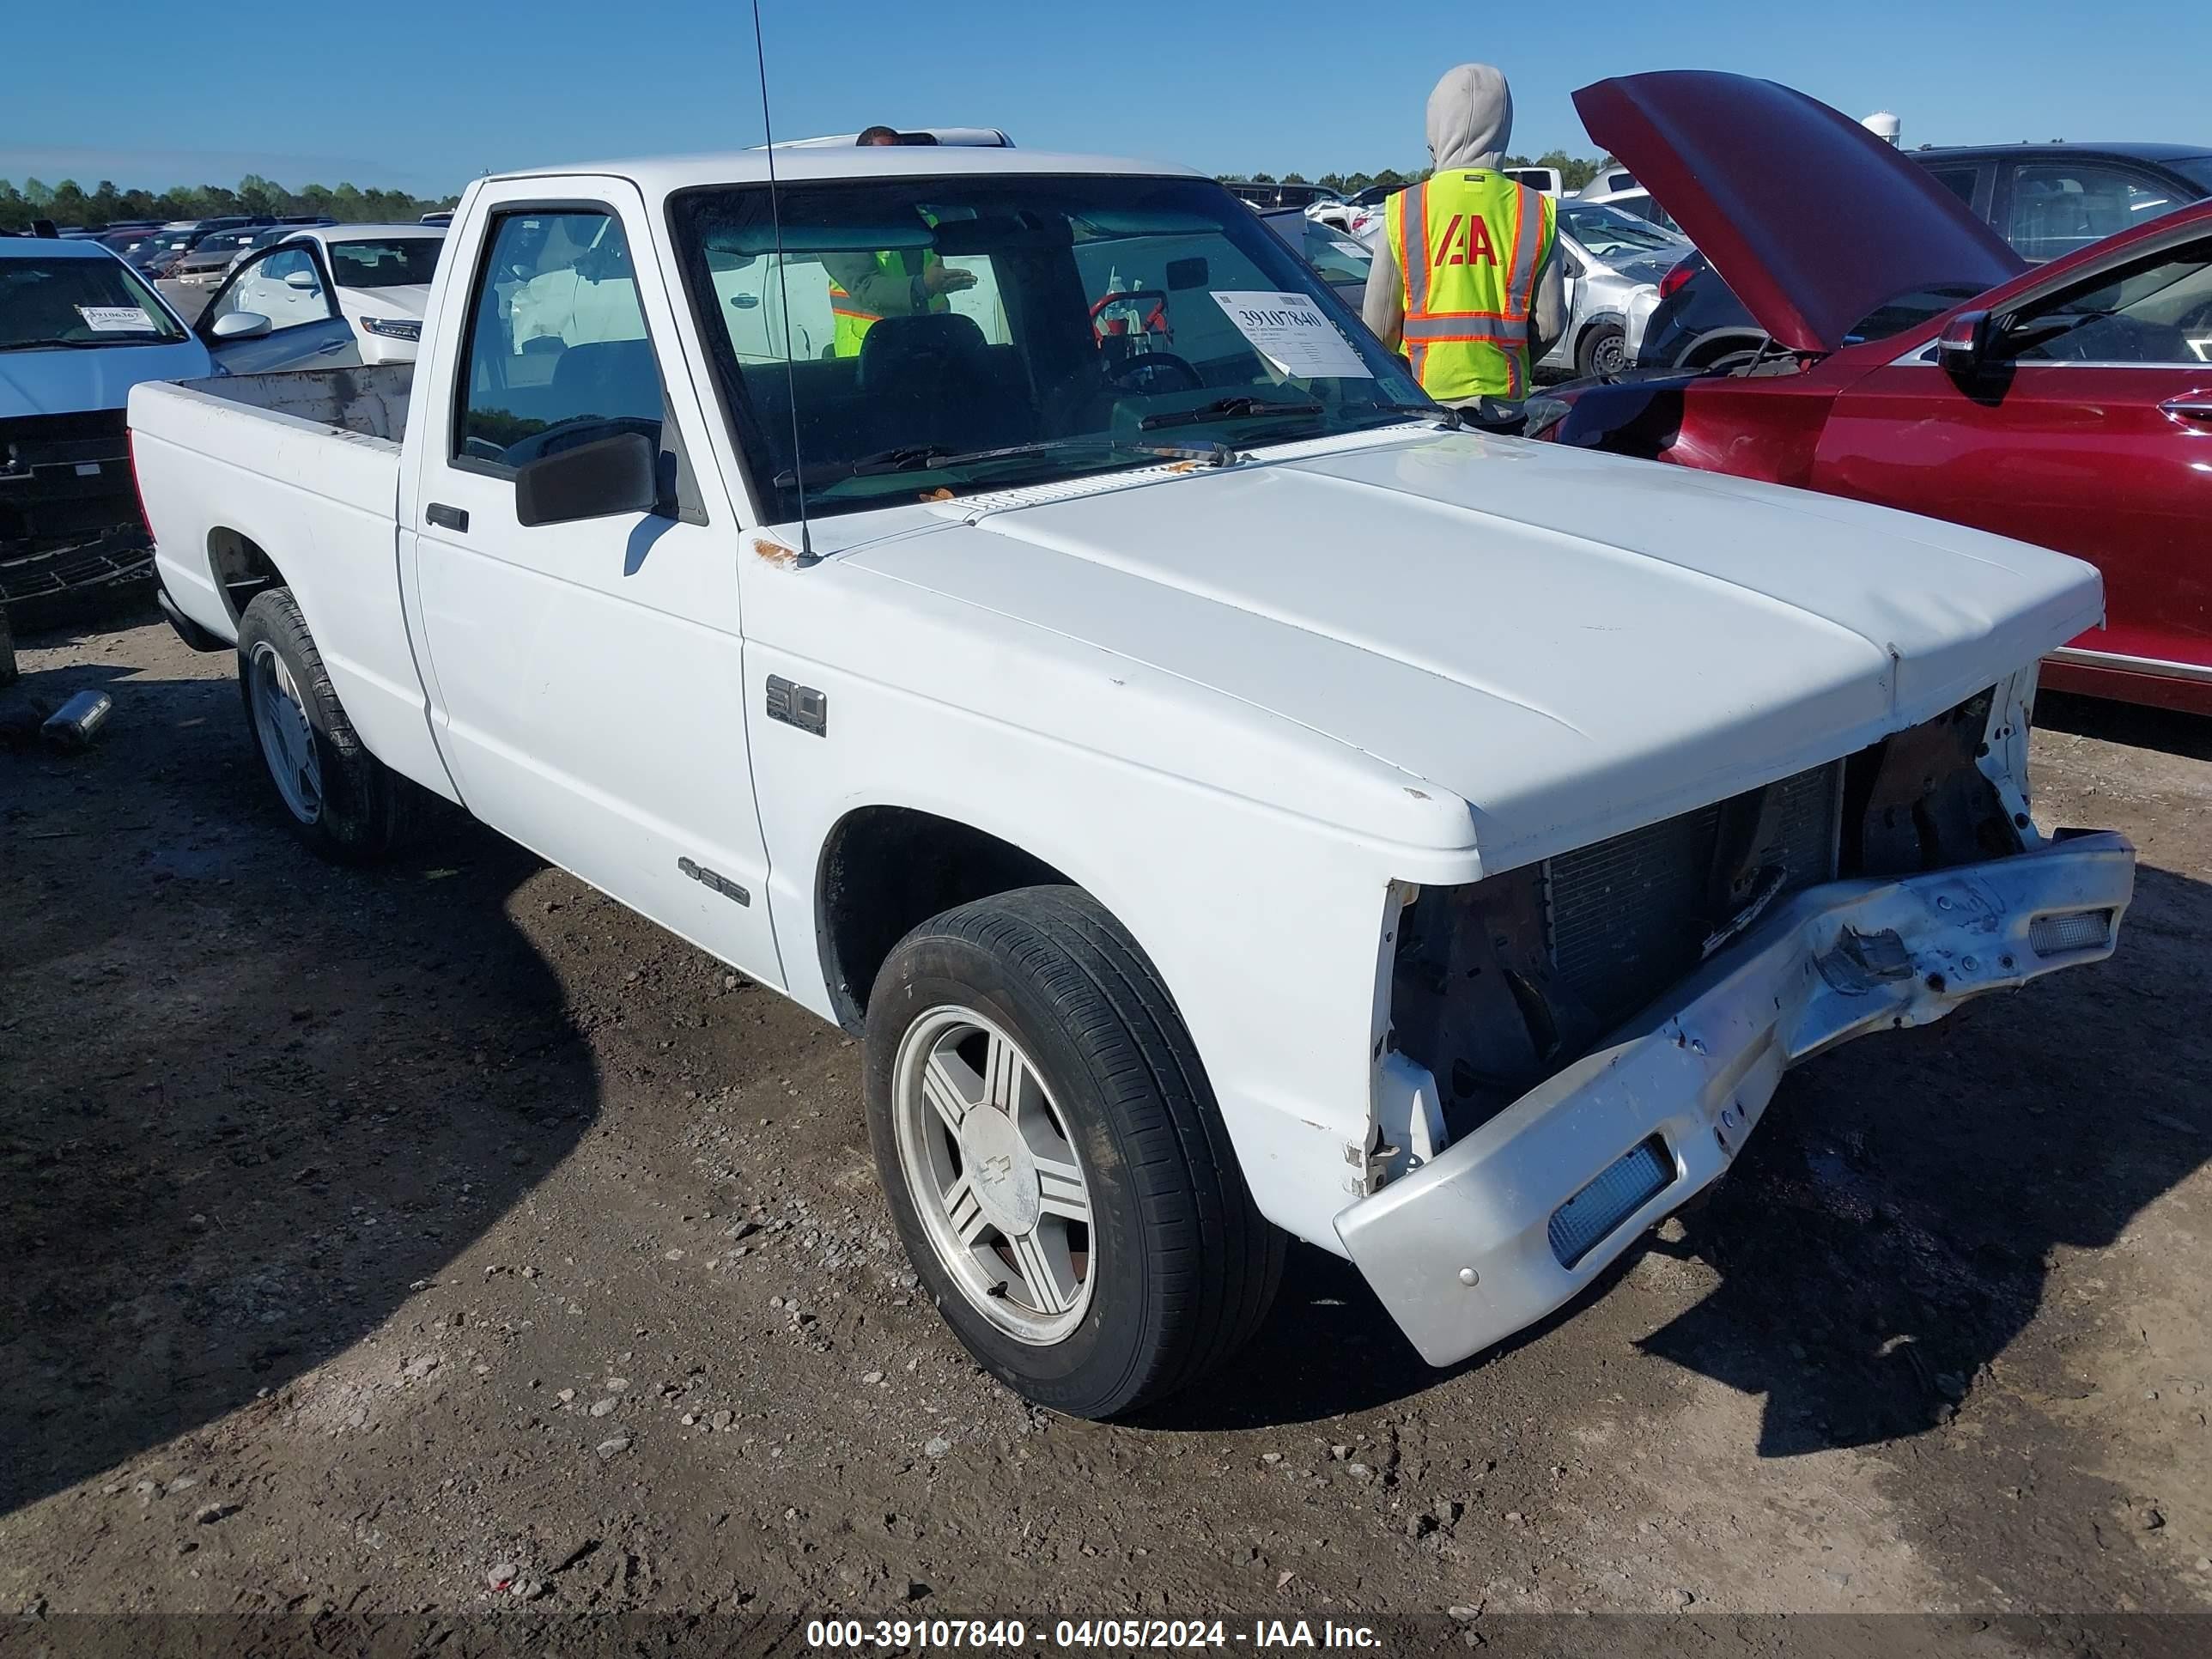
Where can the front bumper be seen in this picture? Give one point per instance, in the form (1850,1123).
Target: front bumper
(1478,1243)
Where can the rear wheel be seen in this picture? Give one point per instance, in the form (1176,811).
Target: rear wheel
(1054,1157)
(1603,351)
(340,800)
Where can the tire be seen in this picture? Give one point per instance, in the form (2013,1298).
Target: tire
(342,802)
(1722,356)
(1173,1269)
(1602,350)
(8,675)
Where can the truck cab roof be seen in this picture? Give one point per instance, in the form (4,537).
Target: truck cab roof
(664,175)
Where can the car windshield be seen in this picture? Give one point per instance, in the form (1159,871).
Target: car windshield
(1329,251)
(62,302)
(222,244)
(390,262)
(1910,311)
(1608,233)
(983,331)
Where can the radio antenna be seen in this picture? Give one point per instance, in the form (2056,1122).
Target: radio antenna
(807,553)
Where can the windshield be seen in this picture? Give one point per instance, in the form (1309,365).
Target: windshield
(1608,233)
(1066,325)
(57,302)
(223,244)
(1910,311)
(1340,260)
(392,262)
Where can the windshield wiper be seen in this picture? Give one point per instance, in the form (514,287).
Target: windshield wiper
(1451,419)
(149,338)
(929,457)
(1242,406)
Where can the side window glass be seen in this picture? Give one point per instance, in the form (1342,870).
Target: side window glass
(2058,206)
(1959,182)
(557,352)
(2157,312)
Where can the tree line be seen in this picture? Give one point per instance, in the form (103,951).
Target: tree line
(1575,172)
(70,203)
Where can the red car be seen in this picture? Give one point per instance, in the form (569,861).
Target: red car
(1917,362)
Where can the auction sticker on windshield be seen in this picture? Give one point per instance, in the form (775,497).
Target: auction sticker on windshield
(1291,332)
(116,319)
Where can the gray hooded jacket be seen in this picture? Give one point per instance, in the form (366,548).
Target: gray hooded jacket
(1470,125)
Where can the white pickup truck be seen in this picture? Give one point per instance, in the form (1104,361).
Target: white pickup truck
(1234,803)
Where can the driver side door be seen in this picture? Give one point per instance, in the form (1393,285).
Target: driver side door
(2089,430)
(286,289)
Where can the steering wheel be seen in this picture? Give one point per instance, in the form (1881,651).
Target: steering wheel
(576,431)
(1149,374)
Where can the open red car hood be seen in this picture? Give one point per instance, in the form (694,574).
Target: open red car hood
(1812,220)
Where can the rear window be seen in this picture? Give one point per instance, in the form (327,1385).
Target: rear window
(2198,169)
(63,302)
(392,262)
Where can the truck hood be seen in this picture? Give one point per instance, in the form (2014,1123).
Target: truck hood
(71,381)
(1813,221)
(1574,644)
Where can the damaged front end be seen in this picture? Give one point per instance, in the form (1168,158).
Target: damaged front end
(69,518)
(1577,1047)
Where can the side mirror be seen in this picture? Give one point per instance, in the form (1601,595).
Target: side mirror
(303,280)
(1964,343)
(241,326)
(599,480)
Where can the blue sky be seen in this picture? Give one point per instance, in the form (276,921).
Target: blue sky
(425,97)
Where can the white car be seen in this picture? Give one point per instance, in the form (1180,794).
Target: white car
(377,277)
(1233,803)
(1631,197)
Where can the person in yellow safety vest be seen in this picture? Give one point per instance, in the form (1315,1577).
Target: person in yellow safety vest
(866,288)
(1467,280)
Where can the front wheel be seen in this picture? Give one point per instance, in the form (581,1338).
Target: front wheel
(341,801)
(1056,1164)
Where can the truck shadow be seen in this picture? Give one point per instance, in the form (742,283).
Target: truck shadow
(248,1101)
(2189,736)
(1887,1231)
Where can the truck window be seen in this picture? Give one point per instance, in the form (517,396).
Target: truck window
(557,352)
(976,332)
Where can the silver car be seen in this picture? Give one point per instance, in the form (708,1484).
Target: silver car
(1613,262)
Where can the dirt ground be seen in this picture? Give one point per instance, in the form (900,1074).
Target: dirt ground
(444,1243)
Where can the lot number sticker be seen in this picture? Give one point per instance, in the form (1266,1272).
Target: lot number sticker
(116,319)
(1291,331)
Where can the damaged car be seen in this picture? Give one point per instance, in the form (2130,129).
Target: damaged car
(1914,359)
(1229,801)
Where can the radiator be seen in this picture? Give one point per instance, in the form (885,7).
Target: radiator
(1628,917)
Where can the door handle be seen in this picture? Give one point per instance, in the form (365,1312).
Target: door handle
(447,518)
(335,345)
(2194,406)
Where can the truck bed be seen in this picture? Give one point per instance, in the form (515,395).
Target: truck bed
(292,479)
(368,402)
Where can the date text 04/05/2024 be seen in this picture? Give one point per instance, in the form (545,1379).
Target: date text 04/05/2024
(1118,1634)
